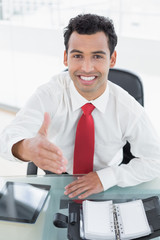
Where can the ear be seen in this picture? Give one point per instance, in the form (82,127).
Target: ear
(113,59)
(65,61)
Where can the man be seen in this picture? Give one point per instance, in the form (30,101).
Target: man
(44,131)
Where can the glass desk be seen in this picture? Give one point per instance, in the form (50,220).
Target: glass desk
(44,229)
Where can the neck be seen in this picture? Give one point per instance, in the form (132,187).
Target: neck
(92,95)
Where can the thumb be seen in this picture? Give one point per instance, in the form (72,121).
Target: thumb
(45,125)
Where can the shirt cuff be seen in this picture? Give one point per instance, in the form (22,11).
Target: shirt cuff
(107,178)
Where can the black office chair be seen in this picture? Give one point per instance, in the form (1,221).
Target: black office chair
(132,84)
(129,81)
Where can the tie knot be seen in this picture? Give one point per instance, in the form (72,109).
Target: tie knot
(88,108)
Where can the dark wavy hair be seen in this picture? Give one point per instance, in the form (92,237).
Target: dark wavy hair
(90,24)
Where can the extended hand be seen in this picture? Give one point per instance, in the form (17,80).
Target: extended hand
(87,185)
(41,151)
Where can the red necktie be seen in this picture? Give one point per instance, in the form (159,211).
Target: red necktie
(84,142)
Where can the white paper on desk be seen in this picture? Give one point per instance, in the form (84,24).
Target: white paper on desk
(97,219)
(134,220)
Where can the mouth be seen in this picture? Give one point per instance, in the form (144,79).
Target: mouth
(87,80)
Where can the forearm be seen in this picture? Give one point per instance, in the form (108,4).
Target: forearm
(18,150)
(137,171)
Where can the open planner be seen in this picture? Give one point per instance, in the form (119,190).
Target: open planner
(105,220)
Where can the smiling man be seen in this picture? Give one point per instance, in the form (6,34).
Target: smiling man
(88,59)
(80,121)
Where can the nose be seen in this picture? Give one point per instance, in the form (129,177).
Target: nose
(87,65)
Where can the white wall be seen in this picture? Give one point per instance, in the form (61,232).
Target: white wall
(142,57)
(28,58)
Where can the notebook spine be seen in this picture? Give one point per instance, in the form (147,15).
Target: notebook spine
(117,227)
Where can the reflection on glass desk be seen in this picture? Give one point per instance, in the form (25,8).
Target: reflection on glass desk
(44,229)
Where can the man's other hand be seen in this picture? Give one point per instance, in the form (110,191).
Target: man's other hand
(41,151)
(84,186)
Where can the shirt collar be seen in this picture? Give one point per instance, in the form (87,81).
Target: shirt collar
(78,101)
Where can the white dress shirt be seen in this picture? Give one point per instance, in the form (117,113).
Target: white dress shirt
(118,118)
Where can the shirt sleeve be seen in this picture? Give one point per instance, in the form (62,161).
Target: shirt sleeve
(27,121)
(23,126)
(145,146)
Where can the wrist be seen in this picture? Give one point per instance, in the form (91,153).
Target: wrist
(18,150)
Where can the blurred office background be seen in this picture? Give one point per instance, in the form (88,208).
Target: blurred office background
(31,47)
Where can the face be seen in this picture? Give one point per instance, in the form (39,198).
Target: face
(88,61)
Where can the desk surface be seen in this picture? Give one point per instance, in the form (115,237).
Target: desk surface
(44,229)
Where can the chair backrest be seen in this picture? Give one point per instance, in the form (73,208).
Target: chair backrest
(130,82)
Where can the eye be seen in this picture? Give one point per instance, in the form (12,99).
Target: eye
(98,56)
(77,56)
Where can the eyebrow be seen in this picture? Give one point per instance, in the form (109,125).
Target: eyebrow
(95,52)
(99,52)
(75,51)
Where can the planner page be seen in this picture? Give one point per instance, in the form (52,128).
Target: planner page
(98,220)
(133,219)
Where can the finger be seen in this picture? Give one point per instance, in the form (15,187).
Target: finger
(77,192)
(75,182)
(45,125)
(87,185)
(86,194)
(51,166)
(45,154)
(52,159)
(57,170)
(85,180)
(76,188)
(51,147)
(69,187)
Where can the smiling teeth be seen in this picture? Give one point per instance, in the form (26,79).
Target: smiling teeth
(87,78)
